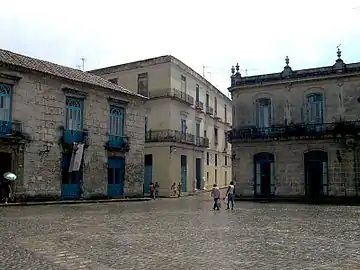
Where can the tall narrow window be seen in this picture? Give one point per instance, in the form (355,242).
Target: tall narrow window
(263,113)
(197,130)
(225,160)
(183,83)
(225,113)
(146,124)
(197,96)
(116,121)
(216,135)
(143,84)
(216,159)
(315,108)
(74,114)
(205,134)
(215,106)
(183,126)
(225,140)
(225,176)
(207,101)
(207,158)
(5,106)
(5,100)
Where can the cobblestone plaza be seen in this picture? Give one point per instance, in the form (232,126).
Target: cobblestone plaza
(179,234)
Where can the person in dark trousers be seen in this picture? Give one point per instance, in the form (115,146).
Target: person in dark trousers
(215,193)
(5,190)
(152,190)
(230,195)
(179,189)
(157,186)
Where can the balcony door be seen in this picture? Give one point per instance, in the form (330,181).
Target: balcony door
(5,108)
(116,131)
(263,113)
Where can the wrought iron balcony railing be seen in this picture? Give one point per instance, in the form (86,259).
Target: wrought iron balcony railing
(217,117)
(75,136)
(209,110)
(9,128)
(199,105)
(176,136)
(173,93)
(300,131)
(116,142)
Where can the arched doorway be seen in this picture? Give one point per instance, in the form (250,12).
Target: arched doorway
(264,184)
(316,179)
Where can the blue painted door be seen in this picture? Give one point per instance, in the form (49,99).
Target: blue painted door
(70,187)
(198,173)
(116,176)
(148,173)
(183,172)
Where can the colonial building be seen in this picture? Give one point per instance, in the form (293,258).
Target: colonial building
(187,118)
(295,133)
(68,134)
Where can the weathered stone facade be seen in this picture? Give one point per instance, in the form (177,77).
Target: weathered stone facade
(38,102)
(287,91)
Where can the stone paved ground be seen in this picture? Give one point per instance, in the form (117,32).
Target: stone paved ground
(179,234)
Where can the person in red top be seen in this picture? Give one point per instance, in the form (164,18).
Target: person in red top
(152,189)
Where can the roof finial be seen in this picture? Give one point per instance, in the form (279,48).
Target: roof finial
(237,67)
(338,51)
(287,60)
(232,70)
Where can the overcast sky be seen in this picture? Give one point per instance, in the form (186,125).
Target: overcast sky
(217,34)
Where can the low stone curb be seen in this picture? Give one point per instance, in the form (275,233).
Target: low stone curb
(325,201)
(74,202)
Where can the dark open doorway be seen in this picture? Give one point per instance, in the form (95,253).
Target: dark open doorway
(5,164)
(316,182)
(264,174)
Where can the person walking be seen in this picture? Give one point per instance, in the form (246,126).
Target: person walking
(152,191)
(179,189)
(215,194)
(173,189)
(157,186)
(5,190)
(230,195)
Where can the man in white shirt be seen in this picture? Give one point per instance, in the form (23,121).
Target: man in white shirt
(230,195)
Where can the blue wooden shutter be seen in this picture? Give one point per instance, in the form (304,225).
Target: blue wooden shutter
(74,113)
(116,121)
(315,108)
(5,102)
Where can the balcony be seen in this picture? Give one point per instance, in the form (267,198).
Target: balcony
(217,117)
(209,110)
(175,136)
(199,105)
(202,142)
(75,136)
(118,143)
(295,132)
(174,94)
(10,128)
